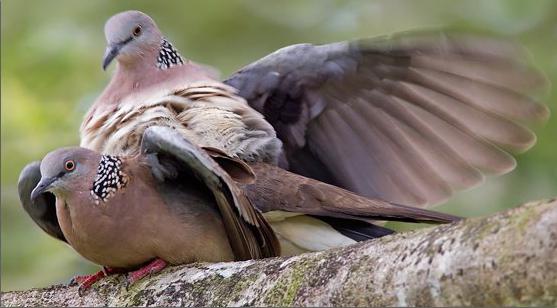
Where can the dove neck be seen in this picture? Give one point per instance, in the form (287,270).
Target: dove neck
(140,64)
(168,56)
(138,74)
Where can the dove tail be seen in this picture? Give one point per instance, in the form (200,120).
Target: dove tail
(356,229)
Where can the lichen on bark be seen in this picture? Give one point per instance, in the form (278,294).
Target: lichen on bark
(508,259)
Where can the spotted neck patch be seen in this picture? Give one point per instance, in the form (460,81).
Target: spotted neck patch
(168,56)
(109,179)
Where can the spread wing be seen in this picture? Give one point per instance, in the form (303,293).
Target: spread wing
(249,234)
(43,209)
(409,118)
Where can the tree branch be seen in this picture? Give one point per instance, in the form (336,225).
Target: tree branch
(509,259)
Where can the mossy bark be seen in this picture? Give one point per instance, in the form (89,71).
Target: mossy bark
(509,259)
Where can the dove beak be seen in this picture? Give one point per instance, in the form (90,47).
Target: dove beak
(43,186)
(113,50)
(109,55)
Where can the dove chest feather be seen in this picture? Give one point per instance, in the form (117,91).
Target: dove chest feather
(210,116)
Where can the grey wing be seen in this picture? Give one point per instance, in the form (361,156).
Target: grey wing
(409,118)
(248,232)
(43,209)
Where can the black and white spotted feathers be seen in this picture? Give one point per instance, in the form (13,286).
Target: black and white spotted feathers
(168,56)
(109,179)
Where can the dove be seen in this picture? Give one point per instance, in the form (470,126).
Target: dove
(206,111)
(176,203)
(408,118)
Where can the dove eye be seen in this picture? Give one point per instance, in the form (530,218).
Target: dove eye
(137,31)
(69,165)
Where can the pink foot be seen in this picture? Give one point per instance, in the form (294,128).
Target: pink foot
(152,267)
(86,281)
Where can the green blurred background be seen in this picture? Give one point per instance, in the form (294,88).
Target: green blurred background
(51,72)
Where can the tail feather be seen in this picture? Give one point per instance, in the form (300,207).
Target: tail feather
(356,229)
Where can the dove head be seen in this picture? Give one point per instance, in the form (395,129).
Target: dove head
(130,36)
(67,170)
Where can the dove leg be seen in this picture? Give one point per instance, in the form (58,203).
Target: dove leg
(86,281)
(152,267)
(106,270)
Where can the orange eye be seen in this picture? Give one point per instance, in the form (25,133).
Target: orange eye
(69,165)
(137,31)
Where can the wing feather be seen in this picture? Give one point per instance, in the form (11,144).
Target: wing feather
(43,209)
(249,234)
(409,118)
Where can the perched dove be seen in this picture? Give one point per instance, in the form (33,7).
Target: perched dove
(408,118)
(177,203)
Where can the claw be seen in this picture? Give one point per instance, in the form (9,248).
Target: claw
(72,282)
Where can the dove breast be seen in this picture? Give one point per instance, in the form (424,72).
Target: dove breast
(208,113)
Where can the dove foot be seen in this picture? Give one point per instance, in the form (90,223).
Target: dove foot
(152,267)
(86,281)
